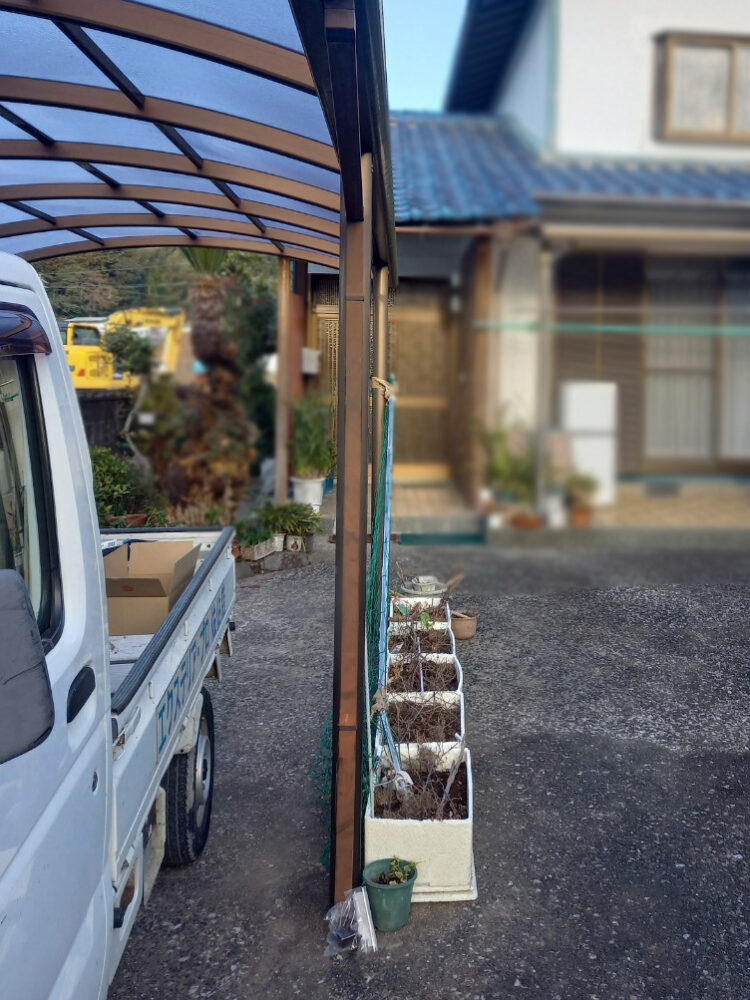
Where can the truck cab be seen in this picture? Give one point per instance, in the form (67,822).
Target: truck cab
(106,740)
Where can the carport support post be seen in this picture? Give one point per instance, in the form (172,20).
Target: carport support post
(351,542)
(380,362)
(544,367)
(281,434)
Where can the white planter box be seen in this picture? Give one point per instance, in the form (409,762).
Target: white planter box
(259,551)
(394,658)
(404,629)
(448,698)
(426,602)
(278,541)
(443,849)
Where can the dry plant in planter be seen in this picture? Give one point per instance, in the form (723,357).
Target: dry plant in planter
(420,673)
(419,640)
(414,611)
(439,791)
(433,719)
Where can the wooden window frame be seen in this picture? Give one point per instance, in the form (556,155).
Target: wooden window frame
(668,42)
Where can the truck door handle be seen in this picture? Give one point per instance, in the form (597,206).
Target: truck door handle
(80,691)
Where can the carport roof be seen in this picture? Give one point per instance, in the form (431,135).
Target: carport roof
(169,122)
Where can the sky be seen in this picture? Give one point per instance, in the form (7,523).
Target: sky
(420,42)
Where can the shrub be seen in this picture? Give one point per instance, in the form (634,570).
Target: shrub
(121,487)
(313,445)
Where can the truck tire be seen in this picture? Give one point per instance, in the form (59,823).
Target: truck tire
(189,784)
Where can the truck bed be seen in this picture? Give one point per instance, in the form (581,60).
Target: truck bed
(133,656)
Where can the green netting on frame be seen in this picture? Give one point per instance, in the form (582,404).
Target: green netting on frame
(321,771)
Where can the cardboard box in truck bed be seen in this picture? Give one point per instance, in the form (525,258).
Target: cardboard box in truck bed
(144,579)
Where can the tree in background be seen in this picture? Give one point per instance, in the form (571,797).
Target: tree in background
(250,323)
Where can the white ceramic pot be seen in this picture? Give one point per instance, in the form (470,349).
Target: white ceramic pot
(308,491)
(443,848)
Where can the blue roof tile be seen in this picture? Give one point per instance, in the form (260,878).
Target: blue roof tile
(462,168)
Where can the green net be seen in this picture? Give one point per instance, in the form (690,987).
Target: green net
(321,771)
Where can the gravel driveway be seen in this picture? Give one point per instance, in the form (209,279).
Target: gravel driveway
(607,700)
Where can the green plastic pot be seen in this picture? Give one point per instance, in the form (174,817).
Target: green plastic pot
(389,904)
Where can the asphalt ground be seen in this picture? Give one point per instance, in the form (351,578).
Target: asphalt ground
(607,702)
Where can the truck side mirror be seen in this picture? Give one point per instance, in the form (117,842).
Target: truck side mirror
(27,711)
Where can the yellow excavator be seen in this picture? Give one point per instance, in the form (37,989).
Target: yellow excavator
(94,368)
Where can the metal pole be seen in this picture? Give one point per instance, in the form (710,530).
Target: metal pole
(281,436)
(544,364)
(351,542)
(380,364)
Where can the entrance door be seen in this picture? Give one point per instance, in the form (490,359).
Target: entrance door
(421,361)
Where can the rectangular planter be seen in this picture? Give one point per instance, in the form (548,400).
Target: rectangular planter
(445,697)
(395,629)
(394,658)
(253,552)
(431,602)
(443,849)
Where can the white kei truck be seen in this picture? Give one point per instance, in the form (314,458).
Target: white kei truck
(106,742)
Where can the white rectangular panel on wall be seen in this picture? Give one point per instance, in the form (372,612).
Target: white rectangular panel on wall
(588,415)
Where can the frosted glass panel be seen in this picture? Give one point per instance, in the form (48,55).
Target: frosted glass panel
(67,125)
(60,207)
(700,88)
(20,244)
(270,20)
(678,416)
(189,79)
(735,398)
(33,46)
(142,176)
(742,89)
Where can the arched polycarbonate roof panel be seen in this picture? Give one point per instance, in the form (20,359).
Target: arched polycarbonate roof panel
(126,123)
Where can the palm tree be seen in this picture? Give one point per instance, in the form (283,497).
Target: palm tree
(207,302)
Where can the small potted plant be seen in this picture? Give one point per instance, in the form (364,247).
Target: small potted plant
(579,494)
(390,883)
(253,541)
(272,519)
(298,521)
(512,472)
(313,450)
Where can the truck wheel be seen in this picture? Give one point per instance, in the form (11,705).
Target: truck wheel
(189,784)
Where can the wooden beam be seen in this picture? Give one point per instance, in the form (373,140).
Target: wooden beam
(91,243)
(341,38)
(351,548)
(180,32)
(281,433)
(170,195)
(126,156)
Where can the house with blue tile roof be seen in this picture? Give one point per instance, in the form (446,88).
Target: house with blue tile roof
(575,226)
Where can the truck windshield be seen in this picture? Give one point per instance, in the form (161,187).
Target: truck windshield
(21,536)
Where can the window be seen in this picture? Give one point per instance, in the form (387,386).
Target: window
(26,532)
(706,88)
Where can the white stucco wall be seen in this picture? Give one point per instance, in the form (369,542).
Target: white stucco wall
(525,91)
(607,73)
(519,306)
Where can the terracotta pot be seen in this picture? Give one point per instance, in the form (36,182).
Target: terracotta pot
(527,522)
(579,517)
(464,624)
